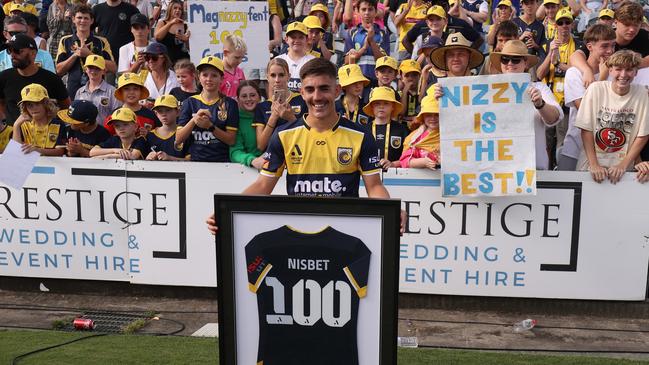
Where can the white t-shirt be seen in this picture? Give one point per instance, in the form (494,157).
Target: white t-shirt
(165,89)
(615,120)
(542,160)
(127,56)
(294,67)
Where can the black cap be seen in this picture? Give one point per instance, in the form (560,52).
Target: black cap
(80,111)
(431,41)
(139,19)
(20,41)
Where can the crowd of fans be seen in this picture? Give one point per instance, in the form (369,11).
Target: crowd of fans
(75,82)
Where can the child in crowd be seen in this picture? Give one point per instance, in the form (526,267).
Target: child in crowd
(131,56)
(36,128)
(421,147)
(186,75)
(322,12)
(234,51)
(125,144)
(282,105)
(367,41)
(244,150)
(505,31)
(210,118)
(296,56)
(349,105)
(315,38)
(97,90)
(130,90)
(410,72)
(6,133)
(386,75)
(83,131)
(606,16)
(388,133)
(162,140)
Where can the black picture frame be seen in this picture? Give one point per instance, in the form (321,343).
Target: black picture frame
(384,213)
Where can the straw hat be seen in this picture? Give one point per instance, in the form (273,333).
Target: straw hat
(129,78)
(455,41)
(383,93)
(350,74)
(429,105)
(514,47)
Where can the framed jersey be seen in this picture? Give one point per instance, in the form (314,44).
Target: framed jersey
(307,280)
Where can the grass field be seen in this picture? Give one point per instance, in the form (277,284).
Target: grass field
(133,349)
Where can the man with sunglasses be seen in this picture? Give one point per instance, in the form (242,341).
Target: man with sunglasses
(76,47)
(14,25)
(553,72)
(25,71)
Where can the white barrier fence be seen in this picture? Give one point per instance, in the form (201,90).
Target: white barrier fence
(143,222)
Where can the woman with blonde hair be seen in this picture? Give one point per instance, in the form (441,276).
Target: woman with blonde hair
(37,128)
(173,32)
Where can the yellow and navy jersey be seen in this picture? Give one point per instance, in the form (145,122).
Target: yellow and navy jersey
(89,140)
(137,144)
(262,110)
(168,144)
(225,116)
(48,136)
(5,136)
(322,164)
(282,265)
(356,116)
(389,138)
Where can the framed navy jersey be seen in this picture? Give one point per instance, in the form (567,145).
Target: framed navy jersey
(307,281)
(308,286)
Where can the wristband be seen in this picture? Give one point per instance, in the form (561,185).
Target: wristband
(541,106)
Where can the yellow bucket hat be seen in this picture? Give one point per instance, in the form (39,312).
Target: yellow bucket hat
(429,105)
(96,61)
(323,8)
(122,115)
(297,27)
(383,93)
(129,78)
(34,93)
(350,74)
(313,22)
(212,61)
(409,66)
(387,61)
(167,100)
(564,13)
(436,10)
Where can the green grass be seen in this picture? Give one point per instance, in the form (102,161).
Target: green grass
(133,349)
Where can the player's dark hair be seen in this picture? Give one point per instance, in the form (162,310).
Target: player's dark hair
(83,9)
(318,67)
(371,3)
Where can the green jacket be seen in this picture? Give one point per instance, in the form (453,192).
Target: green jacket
(245,149)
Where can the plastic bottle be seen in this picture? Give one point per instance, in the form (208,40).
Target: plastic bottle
(410,340)
(525,325)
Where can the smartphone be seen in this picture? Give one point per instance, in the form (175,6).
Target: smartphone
(280,95)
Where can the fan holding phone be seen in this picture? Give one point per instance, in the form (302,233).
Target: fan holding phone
(284,107)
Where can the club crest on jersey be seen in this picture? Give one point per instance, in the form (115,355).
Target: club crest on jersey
(222,114)
(53,137)
(344,155)
(104,101)
(296,109)
(395,141)
(363,119)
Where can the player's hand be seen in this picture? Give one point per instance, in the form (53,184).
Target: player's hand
(258,162)
(211,224)
(598,173)
(643,171)
(615,173)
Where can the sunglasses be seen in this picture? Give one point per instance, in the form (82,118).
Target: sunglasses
(13,33)
(151,58)
(564,22)
(513,60)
